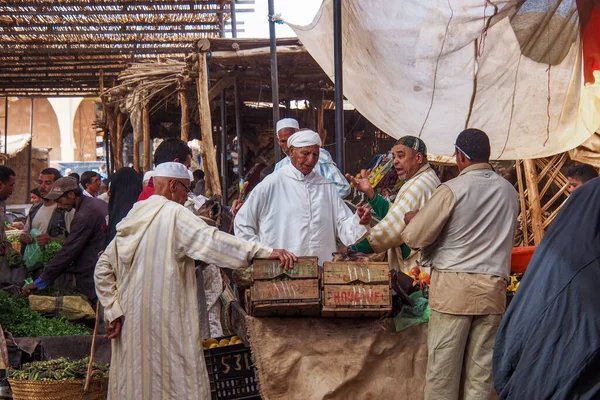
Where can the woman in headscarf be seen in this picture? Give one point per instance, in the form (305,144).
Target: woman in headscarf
(548,345)
(125,187)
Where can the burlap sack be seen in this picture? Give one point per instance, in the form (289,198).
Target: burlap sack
(72,307)
(337,359)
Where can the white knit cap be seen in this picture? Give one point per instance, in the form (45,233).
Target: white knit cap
(171,170)
(287,123)
(304,138)
(147,176)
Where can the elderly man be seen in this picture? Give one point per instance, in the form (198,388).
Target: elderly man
(79,253)
(297,209)
(467,231)
(146,281)
(325,165)
(420,181)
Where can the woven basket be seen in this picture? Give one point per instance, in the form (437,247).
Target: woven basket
(58,390)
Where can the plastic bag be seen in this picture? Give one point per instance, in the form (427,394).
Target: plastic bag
(33,252)
(413,315)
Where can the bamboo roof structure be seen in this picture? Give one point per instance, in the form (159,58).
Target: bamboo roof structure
(248,60)
(66,47)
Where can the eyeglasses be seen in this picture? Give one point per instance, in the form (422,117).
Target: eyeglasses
(462,151)
(189,190)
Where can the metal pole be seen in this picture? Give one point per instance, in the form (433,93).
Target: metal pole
(30,148)
(222,22)
(238,131)
(223,126)
(339,79)
(236,95)
(274,79)
(6,125)
(233,20)
(224,147)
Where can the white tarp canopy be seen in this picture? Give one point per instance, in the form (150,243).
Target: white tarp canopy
(15,143)
(433,68)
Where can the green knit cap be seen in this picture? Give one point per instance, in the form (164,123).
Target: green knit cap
(414,143)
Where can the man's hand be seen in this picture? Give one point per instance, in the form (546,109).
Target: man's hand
(113,330)
(409,216)
(26,238)
(364,214)
(235,207)
(27,290)
(286,259)
(362,184)
(44,239)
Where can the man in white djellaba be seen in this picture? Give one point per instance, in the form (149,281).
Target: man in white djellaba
(147,284)
(298,209)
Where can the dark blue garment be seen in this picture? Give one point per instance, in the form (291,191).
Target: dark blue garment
(548,345)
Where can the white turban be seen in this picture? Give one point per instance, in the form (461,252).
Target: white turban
(147,176)
(171,170)
(304,138)
(287,123)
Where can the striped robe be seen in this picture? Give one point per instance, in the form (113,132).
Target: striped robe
(147,276)
(385,236)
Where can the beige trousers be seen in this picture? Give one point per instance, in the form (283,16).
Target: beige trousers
(459,364)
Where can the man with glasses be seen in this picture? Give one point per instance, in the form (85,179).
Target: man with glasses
(146,281)
(466,231)
(420,181)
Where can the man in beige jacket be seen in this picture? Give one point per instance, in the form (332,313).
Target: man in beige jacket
(466,231)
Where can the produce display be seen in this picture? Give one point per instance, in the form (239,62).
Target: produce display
(20,321)
(420,278)
(513,284)
(15,259)
(51,250)
(58,370)
(382,176)
(212,343)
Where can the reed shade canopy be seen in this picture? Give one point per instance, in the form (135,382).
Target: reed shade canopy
(65,48)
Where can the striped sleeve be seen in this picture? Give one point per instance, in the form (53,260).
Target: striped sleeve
(202,242)
(412,196)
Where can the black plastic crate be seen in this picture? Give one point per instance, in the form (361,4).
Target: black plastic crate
(231,372)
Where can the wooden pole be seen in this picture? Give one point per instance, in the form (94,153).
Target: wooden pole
(522,203)
(533,197)
(146,140)
(209,156)
(111,122)
(321,122)
(185,115)
(119,142)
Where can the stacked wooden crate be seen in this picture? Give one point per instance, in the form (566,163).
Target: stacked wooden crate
(356,290)
(276,292)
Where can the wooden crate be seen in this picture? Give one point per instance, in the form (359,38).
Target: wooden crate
(356,290)
(276,292)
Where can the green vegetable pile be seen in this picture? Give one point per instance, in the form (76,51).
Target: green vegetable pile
(50,250)
(20,321)
(15,259)
(58,369)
